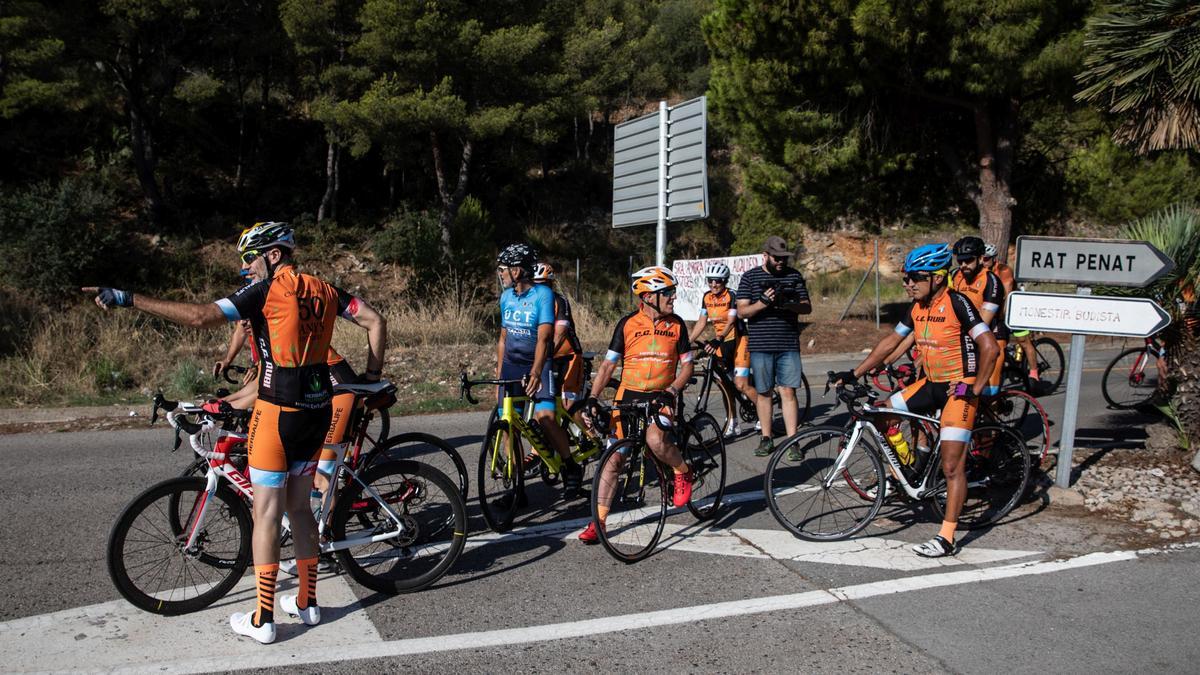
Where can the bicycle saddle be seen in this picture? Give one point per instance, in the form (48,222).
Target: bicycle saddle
(365,388)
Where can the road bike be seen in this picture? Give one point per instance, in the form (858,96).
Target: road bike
(640,486)
(396,527)
(1049,355)
(502,459)
(828,482)
(1133,379)
(717,395)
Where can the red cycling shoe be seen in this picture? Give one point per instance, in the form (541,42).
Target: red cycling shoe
(683,488)
(590,535)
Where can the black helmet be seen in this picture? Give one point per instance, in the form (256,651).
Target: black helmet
(518,255)
(969,247)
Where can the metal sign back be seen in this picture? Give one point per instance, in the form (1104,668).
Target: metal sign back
(1090,262)
(636,162)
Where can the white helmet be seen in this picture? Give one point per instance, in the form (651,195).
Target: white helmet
(652,279)
(989,251)
(717,270)
(543,273)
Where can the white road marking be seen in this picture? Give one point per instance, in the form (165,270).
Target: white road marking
(115,634)
(311,647)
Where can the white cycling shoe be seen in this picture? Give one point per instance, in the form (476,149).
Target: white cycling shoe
(243,624)
(289,567)
(937,547)
(310,615)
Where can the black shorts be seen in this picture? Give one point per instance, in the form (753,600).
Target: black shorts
(285,441)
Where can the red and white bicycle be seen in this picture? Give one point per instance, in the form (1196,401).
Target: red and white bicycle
(184,543)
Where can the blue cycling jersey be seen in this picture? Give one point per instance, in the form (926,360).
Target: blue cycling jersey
(520,316)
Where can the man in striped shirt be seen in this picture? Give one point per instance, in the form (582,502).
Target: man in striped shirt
(770,299)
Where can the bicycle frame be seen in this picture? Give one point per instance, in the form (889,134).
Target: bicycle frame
(221,468)
(861,425)
(523,424)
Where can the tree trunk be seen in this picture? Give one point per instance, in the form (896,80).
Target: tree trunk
(451,200)
(995,137)
(328,206)
(144,162)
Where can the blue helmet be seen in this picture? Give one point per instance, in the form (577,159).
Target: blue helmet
(928,258)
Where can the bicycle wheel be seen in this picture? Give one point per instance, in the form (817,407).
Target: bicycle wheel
(425,448)
(809,499)
(633,479)
(720,404)
(145,556)
(1050,364)
(379,429)
(997,471)
(501,479)
(704,451)
(1022,412)
(1130,380)
(429,506)
(803,399)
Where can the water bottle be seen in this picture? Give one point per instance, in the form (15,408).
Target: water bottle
(896,438)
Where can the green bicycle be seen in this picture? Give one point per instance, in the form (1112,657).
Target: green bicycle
(502,470)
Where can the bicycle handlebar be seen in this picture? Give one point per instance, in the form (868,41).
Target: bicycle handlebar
(465,385)
(601,414)
(240,370)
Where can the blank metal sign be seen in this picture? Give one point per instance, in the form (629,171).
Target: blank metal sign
(635,166)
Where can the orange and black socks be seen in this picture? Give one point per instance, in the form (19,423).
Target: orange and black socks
(307,597)
(266,575)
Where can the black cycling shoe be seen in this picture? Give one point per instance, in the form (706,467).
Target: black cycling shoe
(505,501)
(572,477)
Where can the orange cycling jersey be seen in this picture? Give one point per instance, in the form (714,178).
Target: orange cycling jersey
(291,316)
(985,291)
(1004,273)
(649,351)
(720,310)
(945,331)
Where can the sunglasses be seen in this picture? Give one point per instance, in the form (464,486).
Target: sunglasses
(913,278)
(965,259)
(667,292)
(249,257)
(716,281)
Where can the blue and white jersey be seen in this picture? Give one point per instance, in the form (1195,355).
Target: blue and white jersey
(520,316)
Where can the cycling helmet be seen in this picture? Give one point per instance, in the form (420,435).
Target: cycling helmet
(261,236)
(518,255)
(717,270)
(972,247)
(989,251)
(652,279)
(928,258)
(543,273)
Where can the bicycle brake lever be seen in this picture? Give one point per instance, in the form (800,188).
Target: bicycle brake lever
(178,440)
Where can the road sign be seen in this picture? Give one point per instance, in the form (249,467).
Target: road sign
(1084,314)
(1090,262)
(644,175)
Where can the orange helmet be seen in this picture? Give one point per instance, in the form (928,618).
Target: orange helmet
(652,279)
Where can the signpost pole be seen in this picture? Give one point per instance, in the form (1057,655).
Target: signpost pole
(1066,444)
(660,233)
(876,284)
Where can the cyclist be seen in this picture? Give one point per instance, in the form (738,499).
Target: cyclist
(719,307)
(651,344)
(292,413)
(956,344)
(984,289)
(1022,337)
(524,352)
(567,363)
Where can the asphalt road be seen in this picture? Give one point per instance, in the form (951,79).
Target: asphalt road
(1049,590)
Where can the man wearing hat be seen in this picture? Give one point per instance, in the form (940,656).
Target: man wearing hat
(770,299)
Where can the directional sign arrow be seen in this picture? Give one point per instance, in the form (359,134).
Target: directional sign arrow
(1090,262)
(1084,314)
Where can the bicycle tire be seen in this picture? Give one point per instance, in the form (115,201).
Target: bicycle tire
(1119,380)
(633,526)
(996,478)
(165,532)
(862,480)
(422,447)
(703,449)
(431,508)
(1050,360)
(1017,409)
(720,405)
(505,480)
